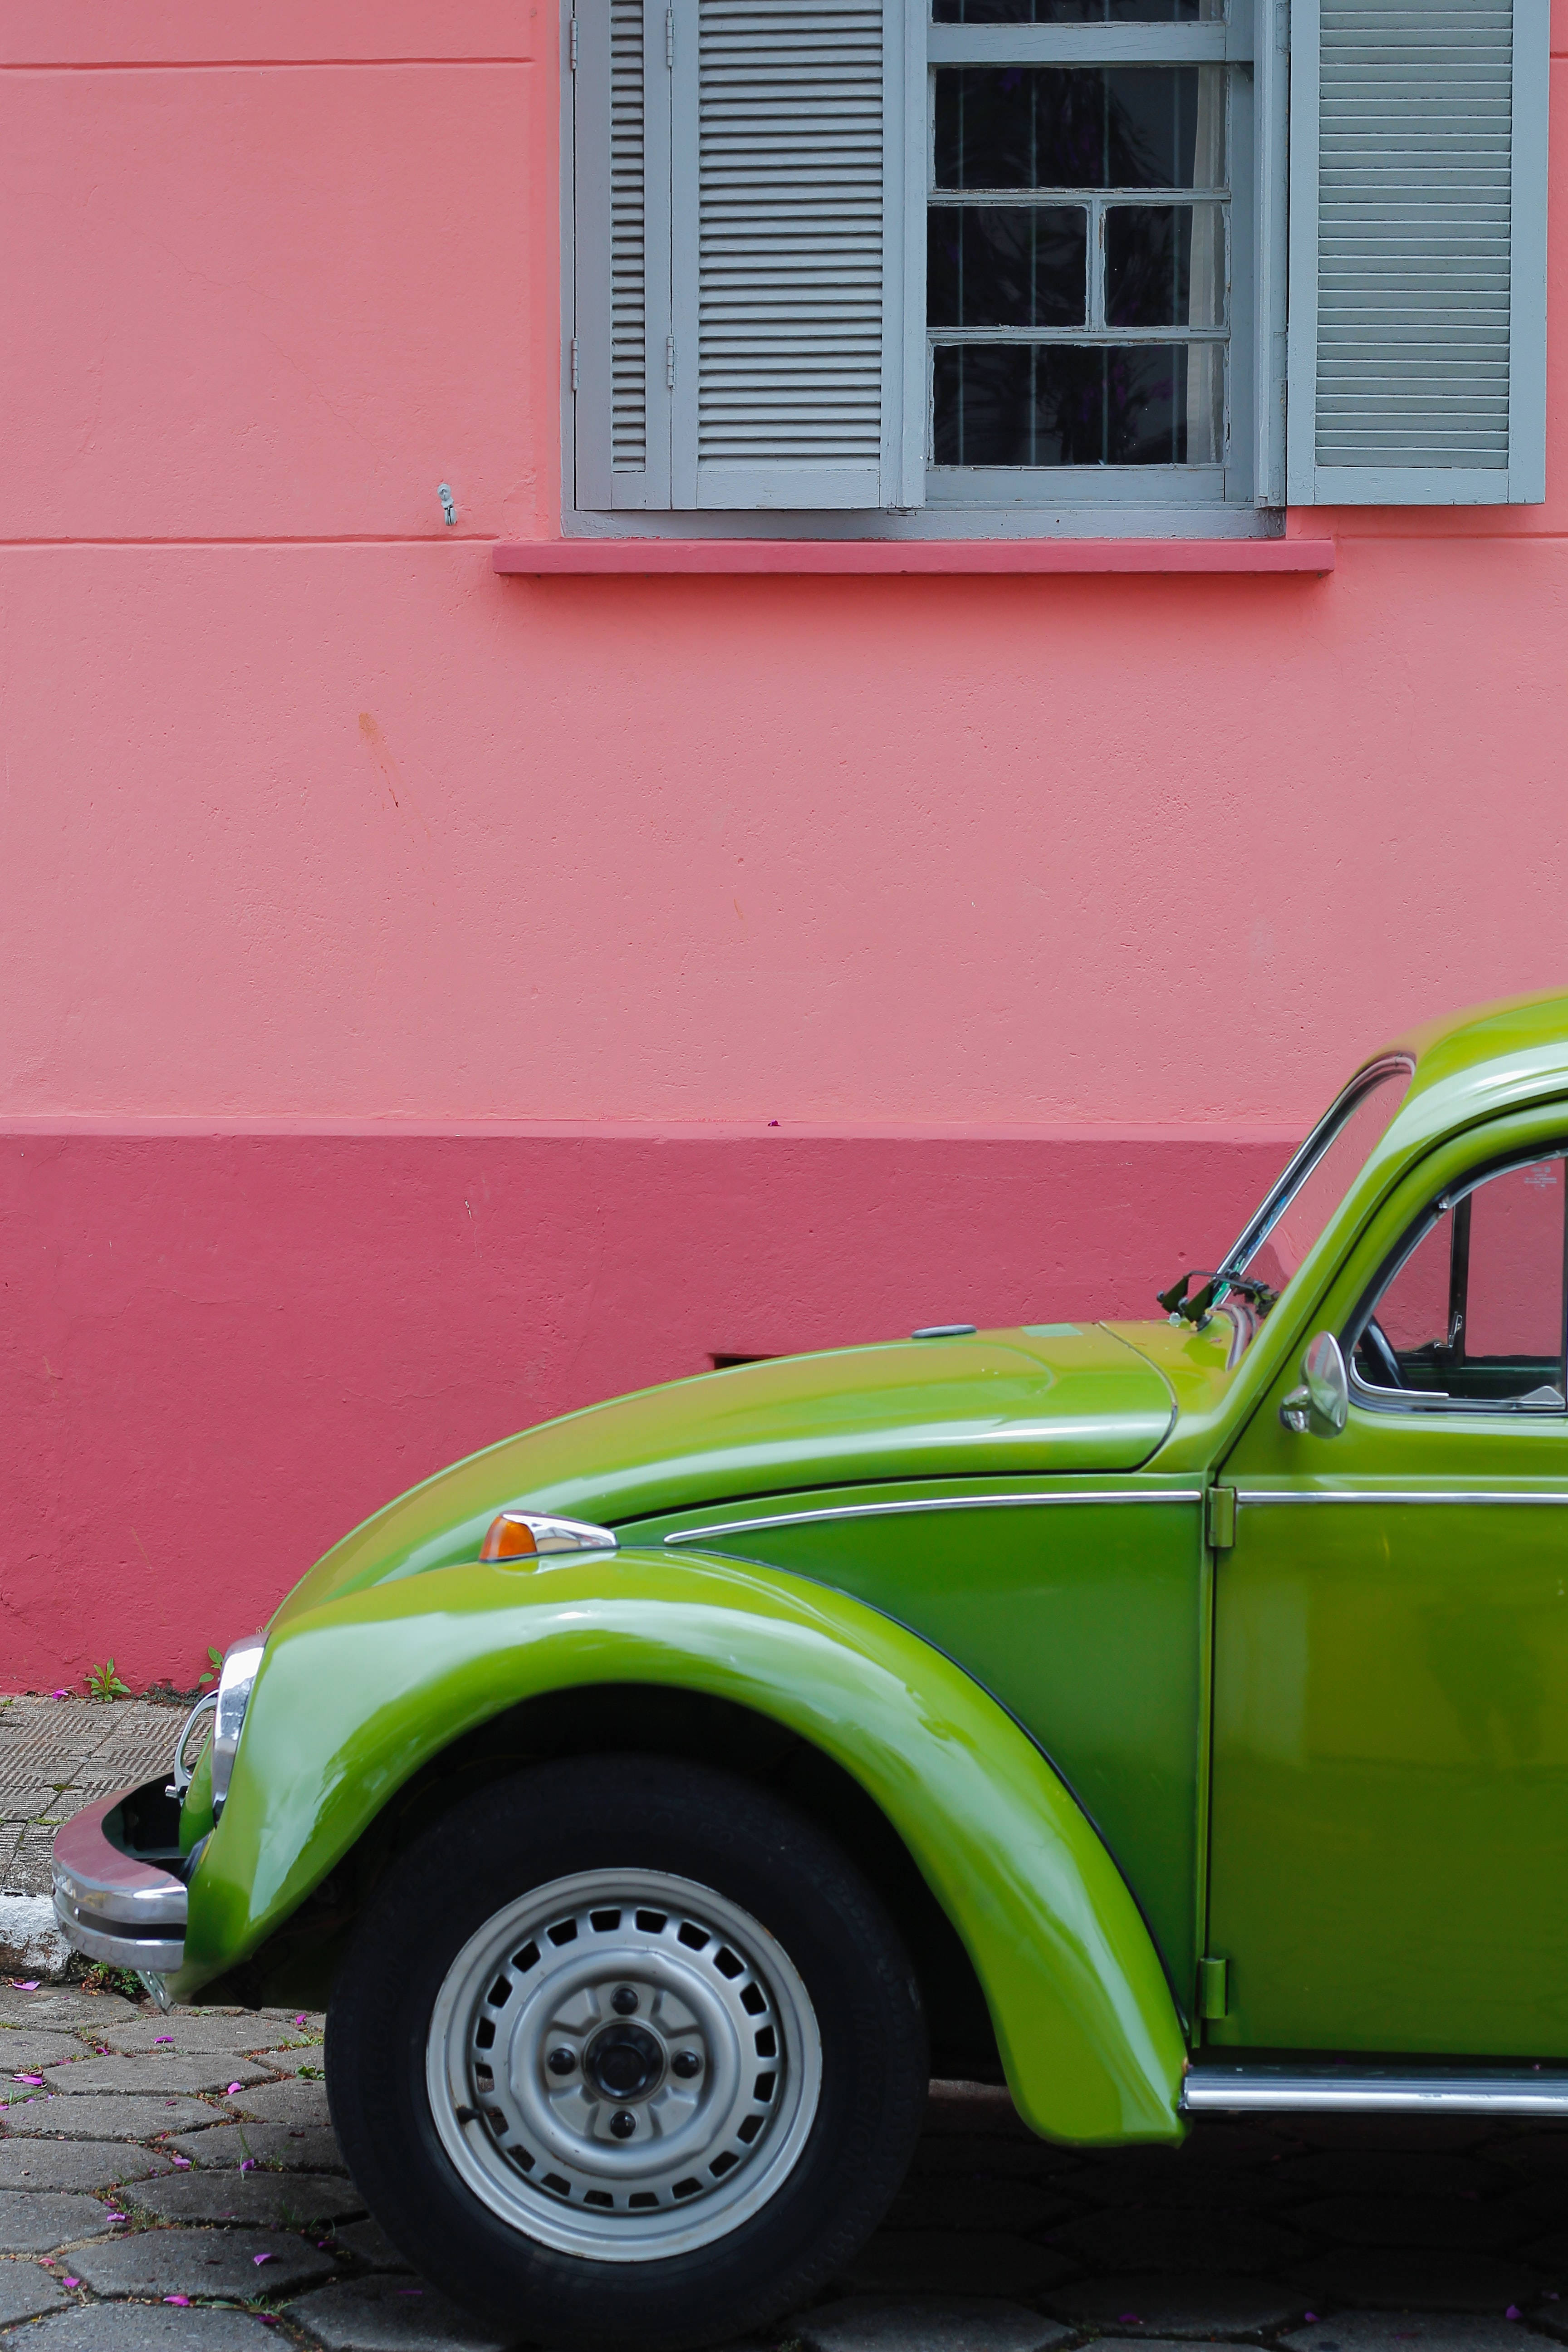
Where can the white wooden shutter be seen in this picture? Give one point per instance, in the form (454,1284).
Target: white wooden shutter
(1418,322)
(620,96)
(751,253)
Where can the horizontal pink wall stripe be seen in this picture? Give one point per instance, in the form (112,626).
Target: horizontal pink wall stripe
(217,1356)
(160,32)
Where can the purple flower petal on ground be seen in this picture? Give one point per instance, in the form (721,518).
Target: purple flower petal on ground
(248,2164)
(62,1694)
(114,2217)
(1513,2312)
(36,2079)
(70,2282)
(183,2162)
(24,1984)
(183,2300)
(157,2038)
(233,2091)
(260,2258)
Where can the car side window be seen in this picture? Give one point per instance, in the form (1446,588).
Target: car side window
(1472,1317)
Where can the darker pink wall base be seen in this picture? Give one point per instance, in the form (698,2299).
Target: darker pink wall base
(219,1354)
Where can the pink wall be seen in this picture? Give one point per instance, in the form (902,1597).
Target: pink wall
(219,1353)
(307,818)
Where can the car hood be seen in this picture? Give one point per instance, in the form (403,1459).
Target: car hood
(1051,1397)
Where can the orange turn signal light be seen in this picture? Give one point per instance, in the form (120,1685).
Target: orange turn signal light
(510,1538)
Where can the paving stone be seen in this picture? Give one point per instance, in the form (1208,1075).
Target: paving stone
(153,2074)
(974,2107)
(1177,2306)
(190,2034)
(35,2222)
(108,2117)
(864,2323)
(1392,2172)
(26,2291)
(369,2242)
(267,2200)
(75,2163)
(202,2261)
(285,2103)
(1024,2160)
(1549,2255)
(1366,2331)
(1156,2239)
(955,2261)
(1159,2176)
(297,2148)
(1444,2134)
(1444,2222)
(148,2327)
(1397,2278)
(306,2061)
(22,2045)
(958,2202)
(381,2315)
(65,2006)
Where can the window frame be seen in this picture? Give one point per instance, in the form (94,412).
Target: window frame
(1219,43)
(1412,1404)
(1068,502)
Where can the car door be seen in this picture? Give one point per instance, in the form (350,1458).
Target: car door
(1390,1750)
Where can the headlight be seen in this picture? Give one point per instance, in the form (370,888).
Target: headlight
(240,1664)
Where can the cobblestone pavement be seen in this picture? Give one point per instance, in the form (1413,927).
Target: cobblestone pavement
(58,1755)
(173,2185)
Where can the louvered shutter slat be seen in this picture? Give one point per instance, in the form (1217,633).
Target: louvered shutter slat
(791,259)
(1417,302)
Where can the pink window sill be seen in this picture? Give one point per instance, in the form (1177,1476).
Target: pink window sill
(928,555)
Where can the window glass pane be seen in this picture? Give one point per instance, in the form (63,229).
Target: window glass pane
(1514,1302)
(1164,265)
(1076,12)
(1412,1312)
(1079,127)
(1474,1316)
(1343,1138)
(1007,265)
(1058,405)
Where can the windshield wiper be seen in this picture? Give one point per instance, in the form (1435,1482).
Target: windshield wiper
(1197,1309)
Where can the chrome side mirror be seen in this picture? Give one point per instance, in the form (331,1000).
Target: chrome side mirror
(1321,1406)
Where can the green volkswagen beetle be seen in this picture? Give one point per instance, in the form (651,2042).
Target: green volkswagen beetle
(1163,1716)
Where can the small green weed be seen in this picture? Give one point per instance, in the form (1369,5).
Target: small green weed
(104,1683)
(215,1668)
(99,1979)
(310,2073)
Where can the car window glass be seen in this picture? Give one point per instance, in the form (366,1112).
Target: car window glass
(1334,1155)
(1473,1317)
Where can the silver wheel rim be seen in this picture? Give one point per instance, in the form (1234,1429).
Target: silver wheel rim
(624,2064)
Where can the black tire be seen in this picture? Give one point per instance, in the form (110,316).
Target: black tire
(638,1813)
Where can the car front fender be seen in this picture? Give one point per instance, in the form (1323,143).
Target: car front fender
(353,1698)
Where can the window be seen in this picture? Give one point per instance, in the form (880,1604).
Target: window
(1011,267)
(1078,260)
(1472,1318)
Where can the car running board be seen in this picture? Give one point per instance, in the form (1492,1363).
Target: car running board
(1382,2090)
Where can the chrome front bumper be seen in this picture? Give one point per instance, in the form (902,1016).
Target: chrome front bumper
(113,1902)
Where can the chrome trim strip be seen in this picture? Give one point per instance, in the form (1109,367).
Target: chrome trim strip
(937,1503)
(110,1905)
(1479,1495)
(1280,2091)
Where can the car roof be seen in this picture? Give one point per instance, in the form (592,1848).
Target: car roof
(1475,1065)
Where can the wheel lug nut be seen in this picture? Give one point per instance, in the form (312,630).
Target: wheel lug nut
(623,2001)
(623,2124)
(686,2063)
(563,2061)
